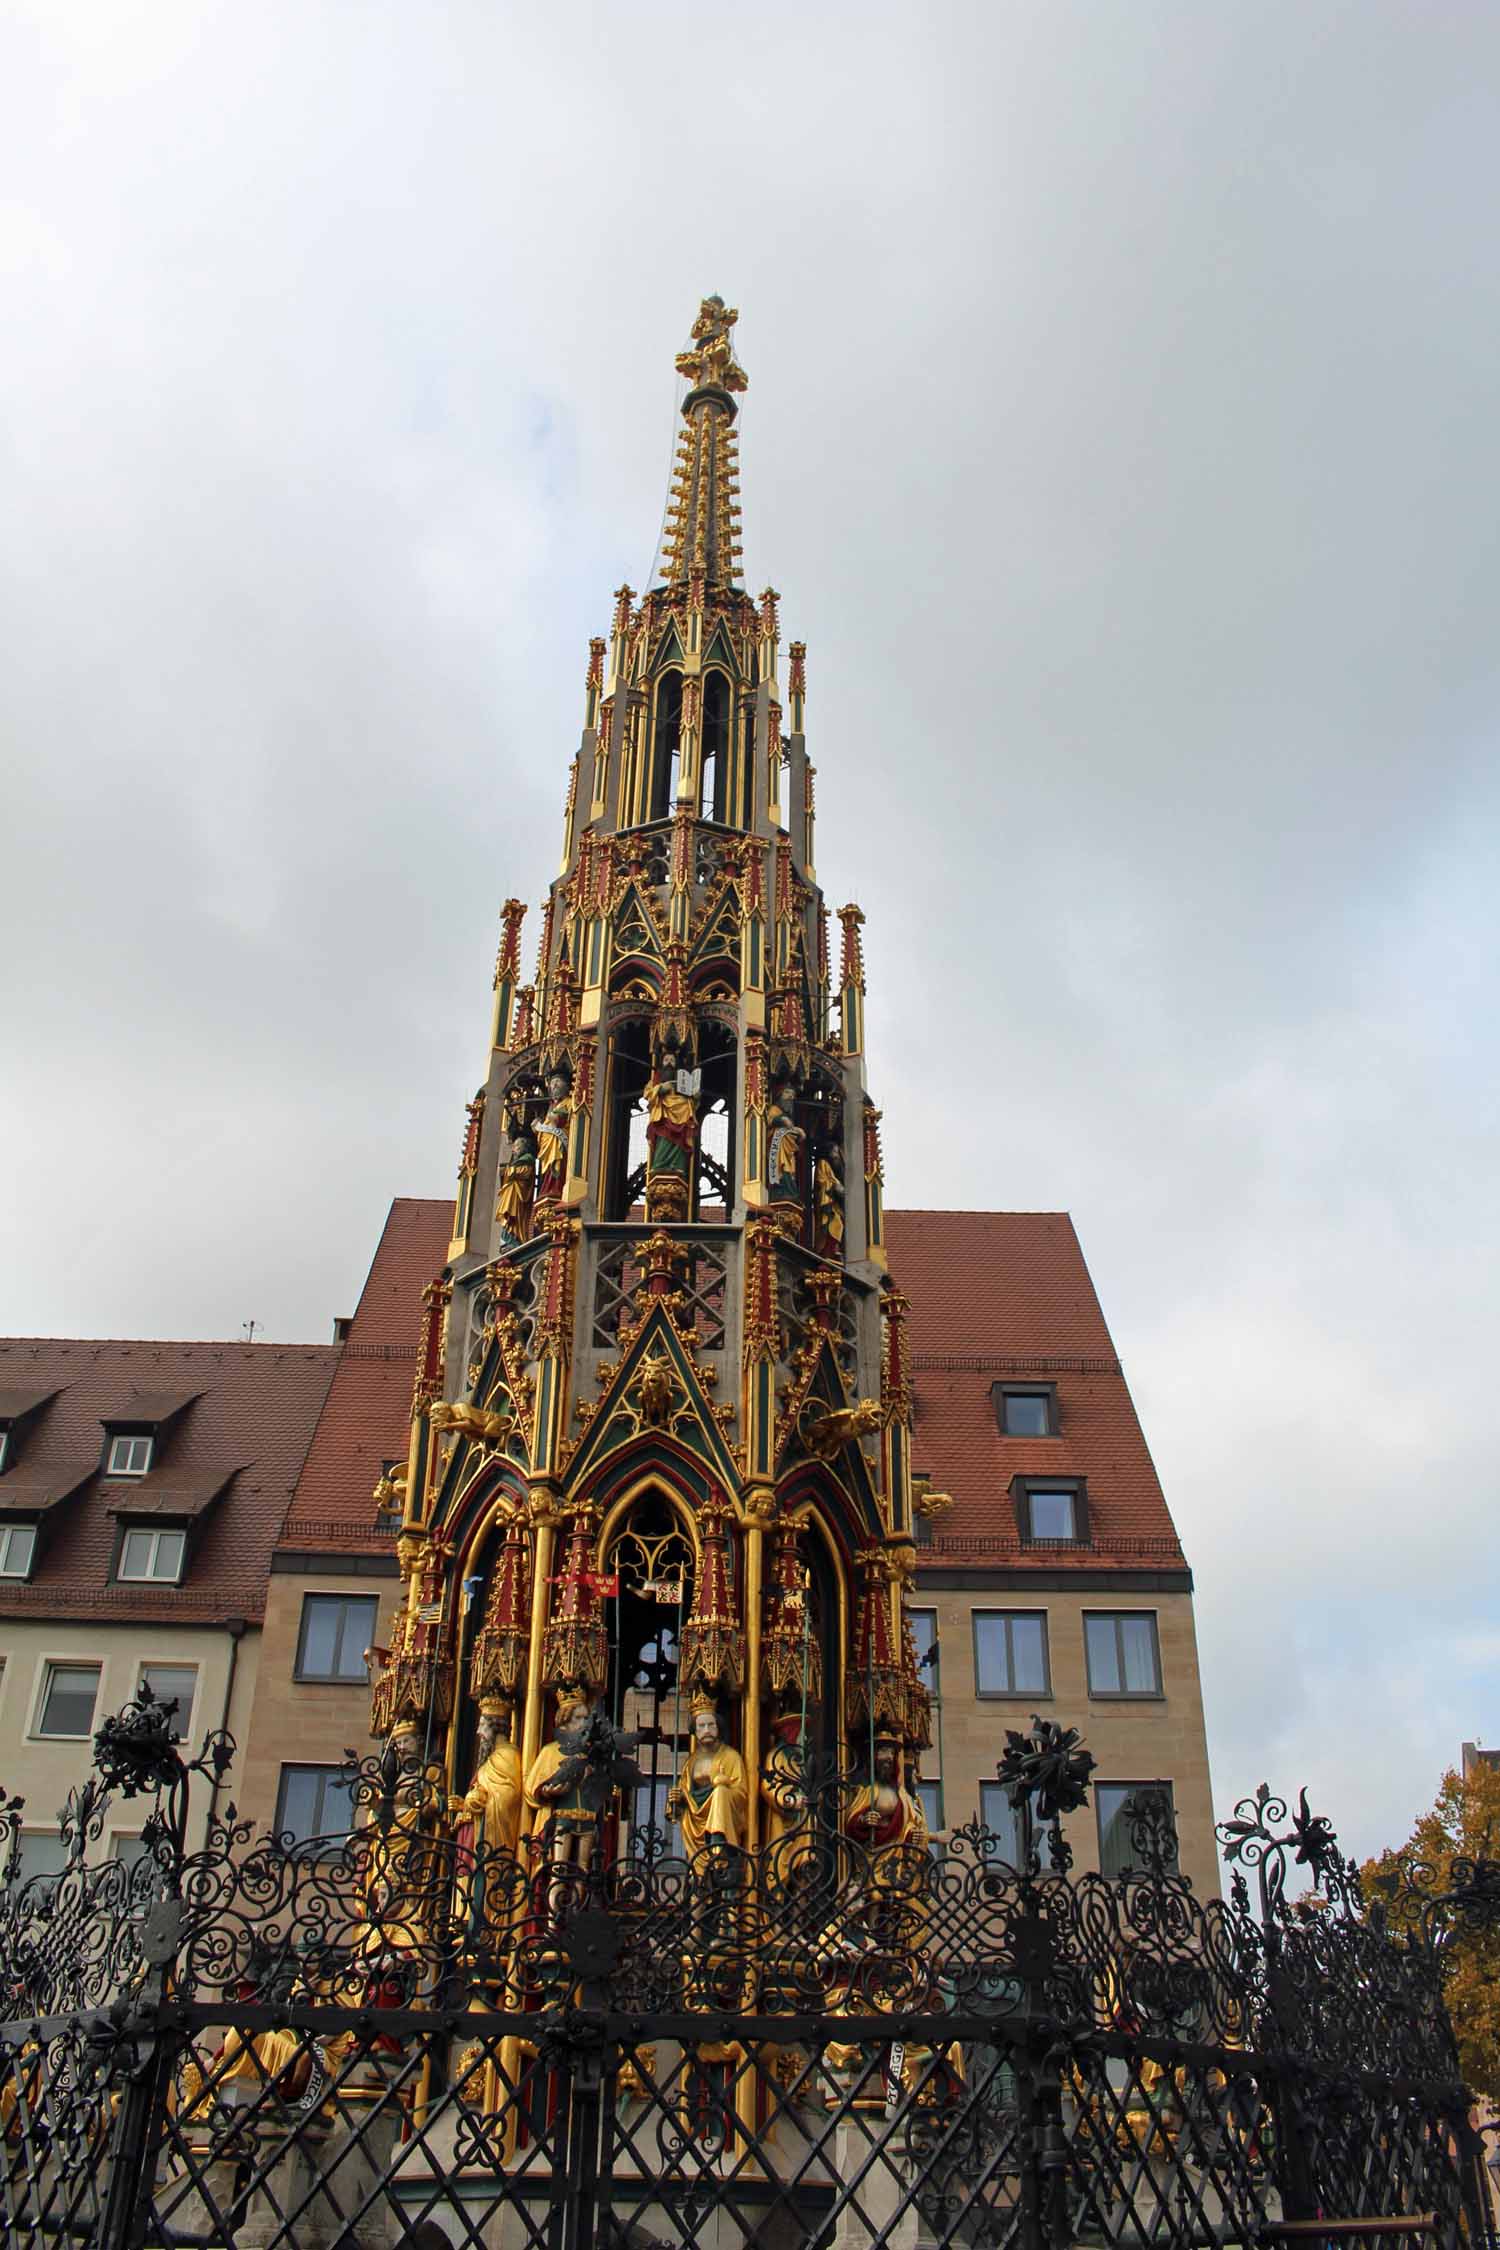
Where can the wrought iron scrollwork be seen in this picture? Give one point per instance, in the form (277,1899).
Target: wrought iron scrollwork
(277,2042)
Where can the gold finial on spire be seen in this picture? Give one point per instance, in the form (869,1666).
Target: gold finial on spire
(712,360)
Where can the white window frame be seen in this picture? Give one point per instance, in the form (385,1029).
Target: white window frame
(4,1443)
(184,1718)
(153,1576)
(9,1531)
(129,1438)
(51,1664)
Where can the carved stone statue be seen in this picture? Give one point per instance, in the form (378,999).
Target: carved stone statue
(671,1139)
(554,1790)
(784,1140)
(513,1204)
(783,1788)
(712,1795)
(885,1817)
(552,1141)
(828,1202)
(492,1807)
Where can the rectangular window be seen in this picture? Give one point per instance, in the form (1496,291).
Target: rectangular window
(129,1456)
(152,1555)
(173,1683)
(999,1816)
(17,1547)
(1010,1652)
(43,1852)
(1026,1410)
(1051,1513)
(931,1794)
(314,1810)
(336,1631)
(4,1446)
(69,1693)
(1121,1805)
(1122,1651)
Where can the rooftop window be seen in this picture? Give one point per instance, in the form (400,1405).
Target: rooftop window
(129,1456)
(1052,1508)
(152,1556)
(1026,1410)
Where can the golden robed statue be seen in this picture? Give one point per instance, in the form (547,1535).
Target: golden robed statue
(493,1803)
(712,1795)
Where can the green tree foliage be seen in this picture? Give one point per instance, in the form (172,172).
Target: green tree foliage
(1464,1824)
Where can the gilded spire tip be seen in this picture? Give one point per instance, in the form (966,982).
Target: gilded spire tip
(711,357)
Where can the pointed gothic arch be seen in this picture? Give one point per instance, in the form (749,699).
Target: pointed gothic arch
(666,747)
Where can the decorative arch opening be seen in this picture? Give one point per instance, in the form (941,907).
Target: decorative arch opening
(666,747)
(647,1555)
(713,794)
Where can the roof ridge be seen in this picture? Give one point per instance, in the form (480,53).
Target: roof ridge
(180,1343)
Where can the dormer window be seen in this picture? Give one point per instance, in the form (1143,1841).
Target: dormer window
(1052,1511)
(152,1557)
(1026,1410)
(129,1456)
(4,1446)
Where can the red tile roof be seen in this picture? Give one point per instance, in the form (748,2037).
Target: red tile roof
(993,1294)
(996,1294)
(254,1408)
(367,1418)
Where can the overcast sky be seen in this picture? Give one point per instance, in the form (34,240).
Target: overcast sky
(1122,438)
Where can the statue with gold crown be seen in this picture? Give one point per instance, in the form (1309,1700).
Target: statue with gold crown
(712,1796)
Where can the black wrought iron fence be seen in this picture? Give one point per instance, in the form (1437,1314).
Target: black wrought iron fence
(814,2044)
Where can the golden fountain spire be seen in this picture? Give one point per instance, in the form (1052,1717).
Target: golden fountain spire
(701,547)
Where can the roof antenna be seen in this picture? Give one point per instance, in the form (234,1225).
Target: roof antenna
(248,1329)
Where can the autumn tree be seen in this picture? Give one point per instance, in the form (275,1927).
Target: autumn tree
(1463,1826)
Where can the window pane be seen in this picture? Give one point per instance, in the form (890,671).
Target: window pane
(1138,1637)
(356,1632)
(1114,1801)
(68,1704)
(42,1853)
(135,1555)
(314,1801)
(169,1545)
(320,1634)
(1103,1654)
(931,1794)
(924,1634)
(129,1456)
(1001,1819)
(1051,1515)
(172,1683)
(1028,1654)
(17,1544)
(1026,1414)
(991,1655)
(335,1805)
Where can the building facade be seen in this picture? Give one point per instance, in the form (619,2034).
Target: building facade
(691,1428)
(142,1488)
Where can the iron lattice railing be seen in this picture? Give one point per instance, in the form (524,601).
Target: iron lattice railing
(815,2044)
